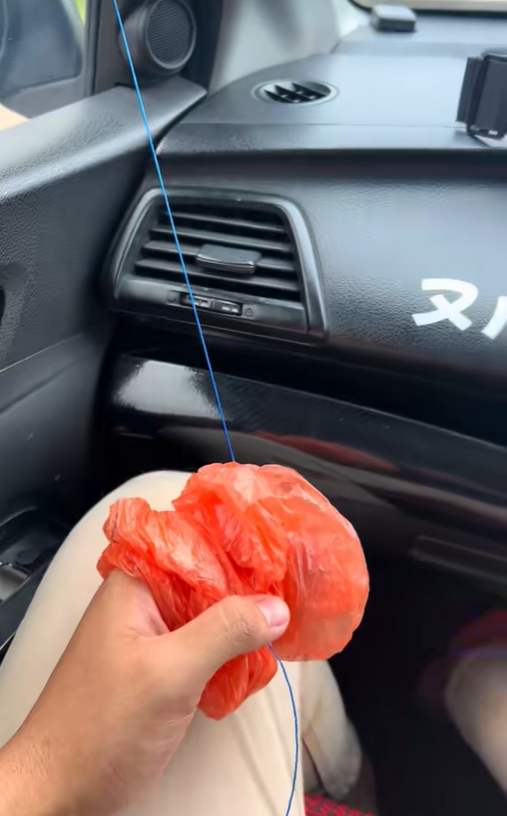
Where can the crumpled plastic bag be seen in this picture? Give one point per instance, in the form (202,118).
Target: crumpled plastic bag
(242,530)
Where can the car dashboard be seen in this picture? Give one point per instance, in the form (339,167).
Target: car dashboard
(354,305)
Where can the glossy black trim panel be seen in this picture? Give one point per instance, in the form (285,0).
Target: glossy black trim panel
(486,564)
(397,480)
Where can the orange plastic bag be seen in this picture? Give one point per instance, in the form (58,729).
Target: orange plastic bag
(240,530)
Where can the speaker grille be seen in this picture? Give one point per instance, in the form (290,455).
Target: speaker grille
(170,33)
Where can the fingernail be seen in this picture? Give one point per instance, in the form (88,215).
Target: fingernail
(275,611)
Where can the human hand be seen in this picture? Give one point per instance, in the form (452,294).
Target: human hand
(121,699)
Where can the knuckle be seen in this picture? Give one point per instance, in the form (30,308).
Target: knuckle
(241,620)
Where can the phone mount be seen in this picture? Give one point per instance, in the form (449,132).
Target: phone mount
(483,102)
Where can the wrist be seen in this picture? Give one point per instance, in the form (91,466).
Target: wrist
(26,787)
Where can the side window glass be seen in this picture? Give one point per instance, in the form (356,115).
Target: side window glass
(41,54)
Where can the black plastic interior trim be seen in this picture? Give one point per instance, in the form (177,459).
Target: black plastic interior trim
(486,564)
(208,17)
(431,397)
(378,469)
(65,180)
(55,171)
(109,66)
(46,406)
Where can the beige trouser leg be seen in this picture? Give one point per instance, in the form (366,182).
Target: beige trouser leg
(244,761)
(477,702)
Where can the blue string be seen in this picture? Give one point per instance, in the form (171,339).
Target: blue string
(206,355)
(296,732)
(173,227)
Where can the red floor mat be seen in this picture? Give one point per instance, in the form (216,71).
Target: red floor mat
(319,806)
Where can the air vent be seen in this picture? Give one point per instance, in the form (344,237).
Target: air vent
(290,92)
(215,239)
(249,260)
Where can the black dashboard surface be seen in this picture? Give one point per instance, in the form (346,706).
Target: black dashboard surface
(410,247)
(407,213)
(410,244)
(381,227)
(395,92)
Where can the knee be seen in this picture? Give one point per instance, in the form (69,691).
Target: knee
(477,690)
(158,488)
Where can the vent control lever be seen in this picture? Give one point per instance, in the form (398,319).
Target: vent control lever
(228,259)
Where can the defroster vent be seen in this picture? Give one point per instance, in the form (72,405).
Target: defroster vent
(290,92)
(246,260)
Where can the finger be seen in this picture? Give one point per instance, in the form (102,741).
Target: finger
(233,627)
(128,605)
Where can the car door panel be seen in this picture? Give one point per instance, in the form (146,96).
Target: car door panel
(65,180)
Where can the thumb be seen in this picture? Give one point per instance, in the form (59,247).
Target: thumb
(232,627)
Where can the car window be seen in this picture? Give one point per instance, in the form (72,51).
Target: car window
(41,54)
(81,7)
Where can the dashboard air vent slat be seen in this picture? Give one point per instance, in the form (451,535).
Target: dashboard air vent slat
(262,231)
(190,252)
(206,237)
(223,221)
(171,270)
